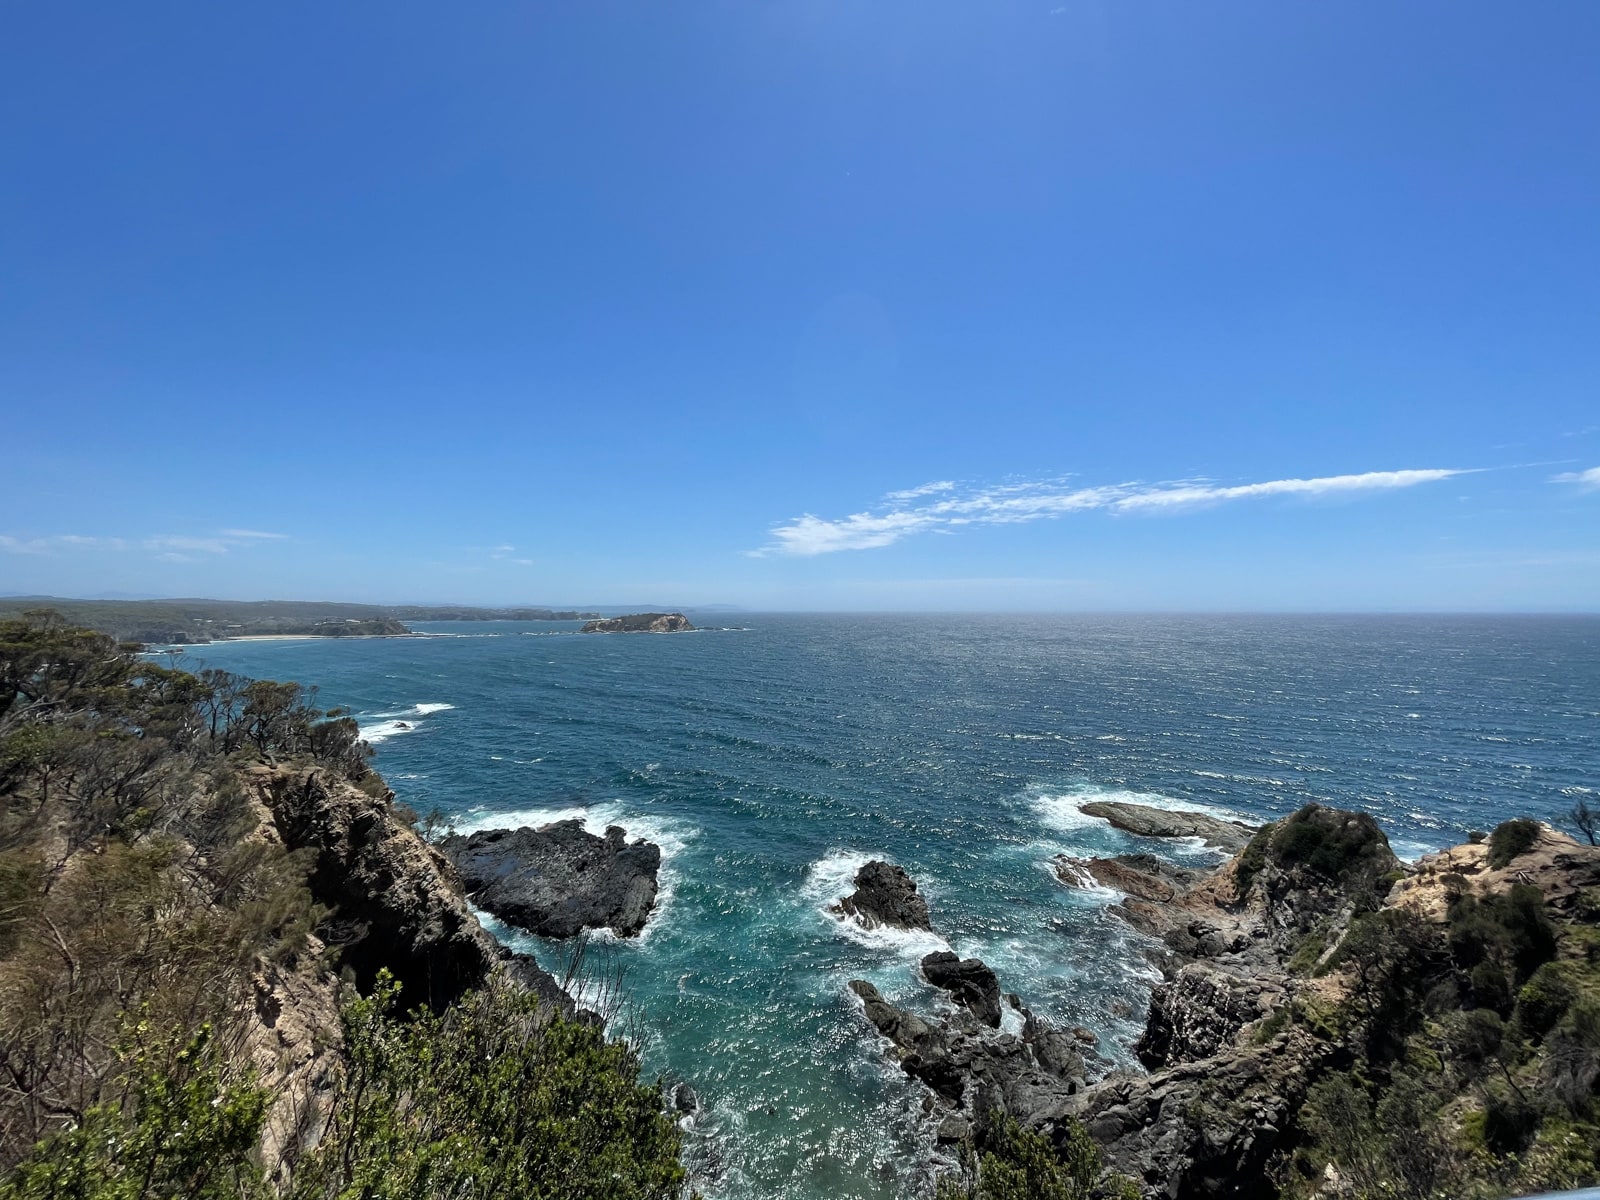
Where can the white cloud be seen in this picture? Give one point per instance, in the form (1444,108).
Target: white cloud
(170,547)
(927,489)
(1013,503)
(172,543)
(1587,480)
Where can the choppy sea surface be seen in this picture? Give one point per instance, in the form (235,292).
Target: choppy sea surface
(770,760)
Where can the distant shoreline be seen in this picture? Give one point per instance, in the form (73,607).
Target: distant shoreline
(302,637)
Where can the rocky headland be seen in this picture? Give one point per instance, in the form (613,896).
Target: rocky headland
(559,879)
(1311,967)
(641,623)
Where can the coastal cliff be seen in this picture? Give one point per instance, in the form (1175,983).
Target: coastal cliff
(231,967)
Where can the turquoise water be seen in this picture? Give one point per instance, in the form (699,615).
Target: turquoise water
(770,760)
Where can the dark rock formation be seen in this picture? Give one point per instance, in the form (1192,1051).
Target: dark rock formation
(396,902)
(641,623)
(970,983)
(559,879)
(1145,821)
(886,895)
(971,1069)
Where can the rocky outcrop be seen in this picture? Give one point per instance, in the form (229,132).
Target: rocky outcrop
(969,1068)
(1145,821)
(1220,1100)
(885,895)
(396,903)
(1200,1011)
(559,879)
(1559,867)
(1141,876)
(971,984)
(641,623)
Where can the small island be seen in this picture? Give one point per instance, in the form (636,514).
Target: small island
(641,623)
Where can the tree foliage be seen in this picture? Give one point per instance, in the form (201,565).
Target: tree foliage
(494,1098)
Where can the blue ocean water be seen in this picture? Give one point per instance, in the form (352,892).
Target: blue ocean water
(770,760)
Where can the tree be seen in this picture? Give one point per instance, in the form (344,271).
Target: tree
(1587,820)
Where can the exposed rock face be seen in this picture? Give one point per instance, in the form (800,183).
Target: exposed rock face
(1200,1012)
(1558,866)
(559,879)
(970,1069)
(970,983)
(396,901)
(886,895)
(641,623)
(1141,819)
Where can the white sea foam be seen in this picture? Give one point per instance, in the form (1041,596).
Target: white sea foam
(831,878)
(385,725)
(1063,811)
(383,730)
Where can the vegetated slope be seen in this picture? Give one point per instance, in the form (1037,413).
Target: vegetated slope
(230,967)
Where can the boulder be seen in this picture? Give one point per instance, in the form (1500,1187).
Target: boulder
(559,879)
(1145,821)
(970,983)
(886,895)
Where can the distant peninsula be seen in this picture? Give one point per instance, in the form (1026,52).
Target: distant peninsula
(197,622)
(641,623)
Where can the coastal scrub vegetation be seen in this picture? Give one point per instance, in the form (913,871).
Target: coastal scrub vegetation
(145,895)
(1471,1049)
(1007,1162)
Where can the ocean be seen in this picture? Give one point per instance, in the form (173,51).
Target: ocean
(770,759)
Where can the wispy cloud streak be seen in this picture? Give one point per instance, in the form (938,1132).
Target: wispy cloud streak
(1588,480)
(168,547)
(944,507)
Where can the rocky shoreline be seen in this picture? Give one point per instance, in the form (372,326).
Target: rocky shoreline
(1257,1003)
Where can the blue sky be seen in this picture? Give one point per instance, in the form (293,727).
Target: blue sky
(1107,304)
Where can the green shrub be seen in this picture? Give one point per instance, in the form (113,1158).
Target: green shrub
(1490,987)
(495,1097)
(1509,1123)
(1511,838)
(1511,928)
(1009,1163)
(1544,999)
(178,1128)
(1333,844)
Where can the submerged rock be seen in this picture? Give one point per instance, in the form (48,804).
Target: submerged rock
(641,623)
(886,895)
(1145,821)
(970,983)
(559,879)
